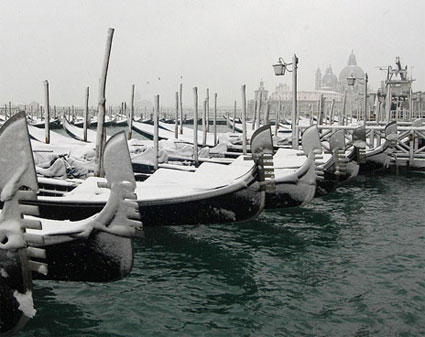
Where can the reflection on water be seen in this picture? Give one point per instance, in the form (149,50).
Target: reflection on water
(348,264)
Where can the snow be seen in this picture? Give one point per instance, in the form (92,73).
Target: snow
(170,184)
(229,215)
(26,304)
(3,273)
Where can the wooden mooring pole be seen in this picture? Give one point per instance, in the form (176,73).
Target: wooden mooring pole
(215,119)
(244,140)
(130,118)
(176,122)
(47,112)
(86,114)
(204,124)
(181,108)
(234,118)
(156,132)
(101,132)
(195,125)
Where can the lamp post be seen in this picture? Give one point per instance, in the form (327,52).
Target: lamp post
(351,80)
(279,69)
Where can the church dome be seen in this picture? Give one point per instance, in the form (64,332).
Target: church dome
(329,80)
(350,69)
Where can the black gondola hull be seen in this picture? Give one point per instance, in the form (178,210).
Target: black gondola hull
(239,205)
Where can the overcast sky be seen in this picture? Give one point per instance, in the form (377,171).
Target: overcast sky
(219,44)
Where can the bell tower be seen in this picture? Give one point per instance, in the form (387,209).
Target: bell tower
(318,79)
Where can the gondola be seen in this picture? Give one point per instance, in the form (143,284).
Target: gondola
(214,193)
(96,249)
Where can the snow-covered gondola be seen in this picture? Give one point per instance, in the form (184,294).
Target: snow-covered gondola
(96,249)
(54,123)
(214,193)
(78,133)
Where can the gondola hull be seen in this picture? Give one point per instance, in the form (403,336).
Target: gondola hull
(238,205)
(296,192)
(103,257)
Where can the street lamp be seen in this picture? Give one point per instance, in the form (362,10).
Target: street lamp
(351,80)
(279,69)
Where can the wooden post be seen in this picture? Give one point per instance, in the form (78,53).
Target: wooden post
(54,112)
(195,125)
(176,122)
(267,113)
(204,124)
(276,126)
(234,118)
(101,132)
(5,112)
(320,111)
(294,103)
(181,108)
(254,114)
(244,145)
(208,110)
(47,112)
(258,112)
(156,132)
(388,102)
(342,118)
(10,109)
(130,118)
(86,114)
(215,119)
(331,113)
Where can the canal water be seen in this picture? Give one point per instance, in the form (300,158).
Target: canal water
(348,264)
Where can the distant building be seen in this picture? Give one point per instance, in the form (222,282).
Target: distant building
(261,92)
(330,82)
(329,85)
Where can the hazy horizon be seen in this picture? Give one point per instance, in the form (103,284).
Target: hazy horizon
(218,45)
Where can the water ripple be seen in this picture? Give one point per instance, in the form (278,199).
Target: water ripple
(348,264)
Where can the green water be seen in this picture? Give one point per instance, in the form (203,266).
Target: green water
(349,264)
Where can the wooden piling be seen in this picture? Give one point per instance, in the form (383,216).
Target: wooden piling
(244,140)
(156,132)
(204,124)
(277,122)
(131,117)
(47,112)
(215,119)
(176,122)
(321,109)
(342,118)
(181,108)
(234,118)
(294,118)
(331,113)
(258,112)
(195,125)
(255,114)
(101,132)
(86,114)
(208,110)
(267,113)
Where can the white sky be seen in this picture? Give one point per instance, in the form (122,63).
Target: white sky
(219,44)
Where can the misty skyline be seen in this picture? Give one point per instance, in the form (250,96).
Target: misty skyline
(218,45)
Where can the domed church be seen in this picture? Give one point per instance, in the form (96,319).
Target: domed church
(330,82)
